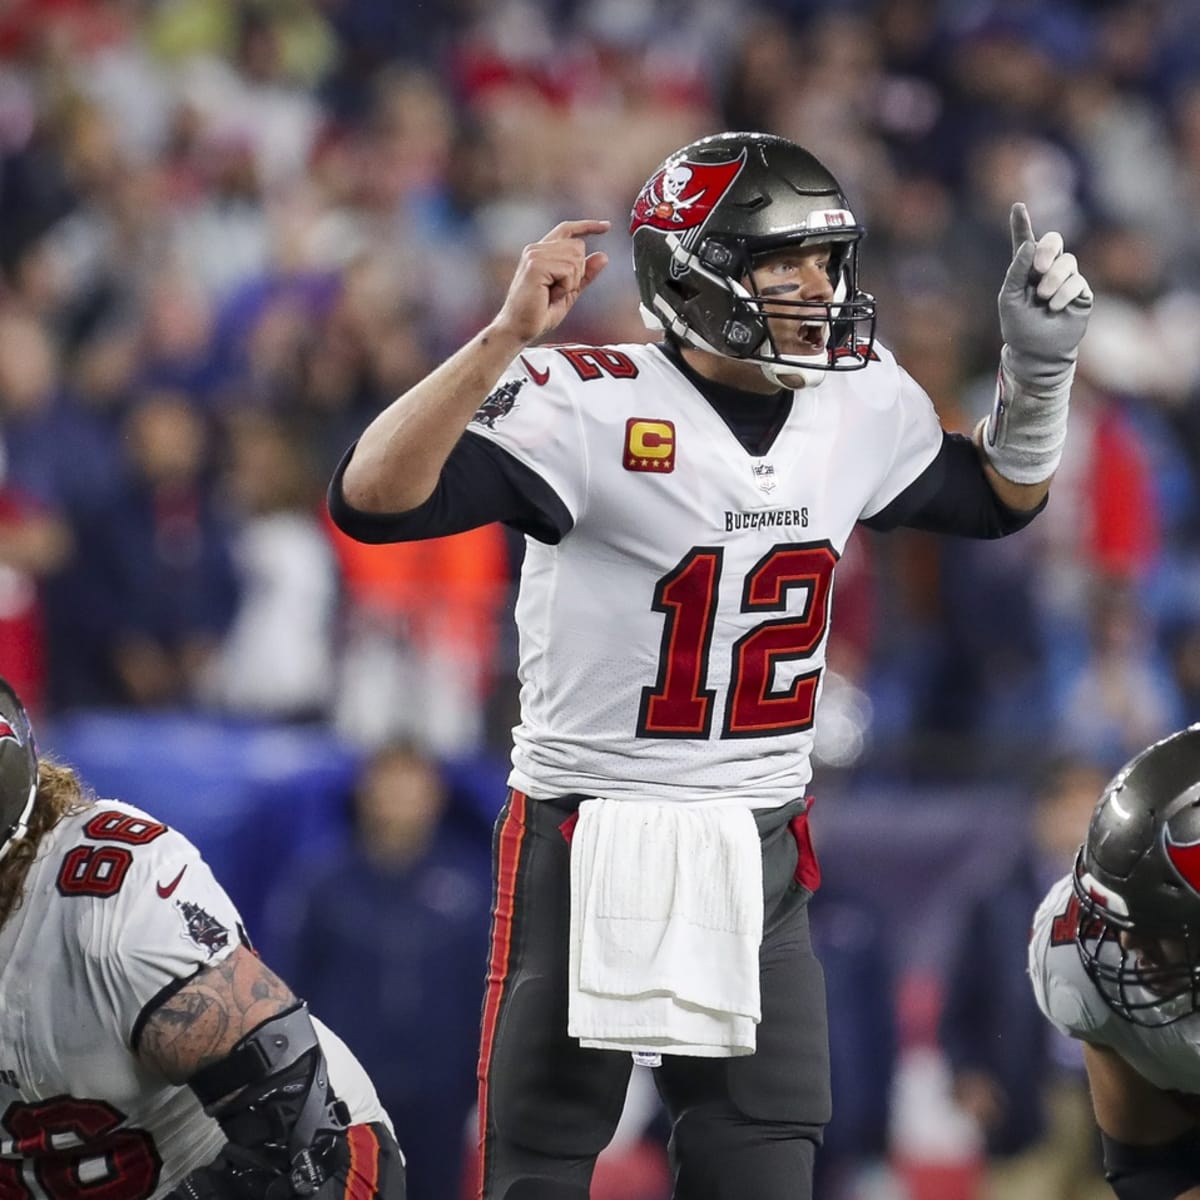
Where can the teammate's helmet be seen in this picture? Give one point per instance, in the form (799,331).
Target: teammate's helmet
(1138,872)
(704,216)
(18,768)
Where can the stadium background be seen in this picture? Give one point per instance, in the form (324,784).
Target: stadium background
(231,231)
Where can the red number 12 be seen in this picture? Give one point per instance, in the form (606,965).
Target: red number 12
(678,705)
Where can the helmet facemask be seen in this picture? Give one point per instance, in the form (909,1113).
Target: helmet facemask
(1141,991)
(715,306)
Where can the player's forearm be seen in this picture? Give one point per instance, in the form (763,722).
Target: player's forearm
(247,1048)
(400,455)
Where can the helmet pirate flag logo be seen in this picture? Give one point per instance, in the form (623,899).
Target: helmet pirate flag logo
(680,197)
(1184,857)
(8,732)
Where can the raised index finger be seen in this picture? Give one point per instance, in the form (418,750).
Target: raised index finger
(576,229)
(1020,225)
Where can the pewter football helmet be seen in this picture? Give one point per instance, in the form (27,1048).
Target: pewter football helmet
(1138,873)
(703,218)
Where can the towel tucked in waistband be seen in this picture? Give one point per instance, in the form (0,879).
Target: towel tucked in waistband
(666,924)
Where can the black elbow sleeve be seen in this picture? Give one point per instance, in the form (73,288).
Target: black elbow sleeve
(952,495)
(1158,1172)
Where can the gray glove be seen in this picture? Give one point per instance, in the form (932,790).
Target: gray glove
(1044,305)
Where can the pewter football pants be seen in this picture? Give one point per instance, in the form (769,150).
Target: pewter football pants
(742,1128)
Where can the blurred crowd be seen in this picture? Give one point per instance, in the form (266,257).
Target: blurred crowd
(231,232)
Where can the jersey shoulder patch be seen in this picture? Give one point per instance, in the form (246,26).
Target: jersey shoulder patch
(500,401)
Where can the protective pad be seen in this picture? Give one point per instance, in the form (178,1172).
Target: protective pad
(544,1091)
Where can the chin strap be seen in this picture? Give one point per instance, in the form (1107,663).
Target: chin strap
(20,827)
(786,376)
(782,375)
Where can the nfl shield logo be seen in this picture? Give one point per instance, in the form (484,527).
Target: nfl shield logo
(764,476)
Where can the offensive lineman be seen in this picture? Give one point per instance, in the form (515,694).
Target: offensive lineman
(1115,962)
(145,1050)
(685,505)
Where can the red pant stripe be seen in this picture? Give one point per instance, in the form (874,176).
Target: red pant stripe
(512,834)
(362,1180)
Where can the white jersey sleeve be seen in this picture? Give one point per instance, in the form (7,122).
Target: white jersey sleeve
(1067,997)
(170,919)
(349,1079)
(532,413)
(913,433)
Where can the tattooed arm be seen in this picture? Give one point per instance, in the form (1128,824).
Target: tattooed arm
(239,1038)
(202,1022)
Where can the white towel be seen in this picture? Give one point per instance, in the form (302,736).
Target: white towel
(666,924)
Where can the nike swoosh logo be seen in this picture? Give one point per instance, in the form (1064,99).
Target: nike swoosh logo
(538,377)
(164,890)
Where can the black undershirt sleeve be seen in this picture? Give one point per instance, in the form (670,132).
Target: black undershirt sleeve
(479,484)
(952,495)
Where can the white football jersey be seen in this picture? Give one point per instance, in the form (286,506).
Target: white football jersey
(1168,1056)
(117,908)
(672,644)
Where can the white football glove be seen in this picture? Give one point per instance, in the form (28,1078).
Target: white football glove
(1044,306)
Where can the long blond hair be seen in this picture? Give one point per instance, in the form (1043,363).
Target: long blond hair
(60,792)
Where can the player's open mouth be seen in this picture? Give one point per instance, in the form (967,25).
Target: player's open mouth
(811,336)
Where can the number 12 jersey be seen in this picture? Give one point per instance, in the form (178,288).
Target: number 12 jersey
(672,643)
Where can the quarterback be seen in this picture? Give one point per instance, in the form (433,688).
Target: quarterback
(145,1050)
(1115,962)
(685,505)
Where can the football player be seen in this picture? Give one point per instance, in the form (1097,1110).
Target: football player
(145,1050)
(1115,962)
(685,505)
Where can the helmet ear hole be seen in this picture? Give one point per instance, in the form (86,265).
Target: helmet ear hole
(716,256)
(734,328)
(738,336)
